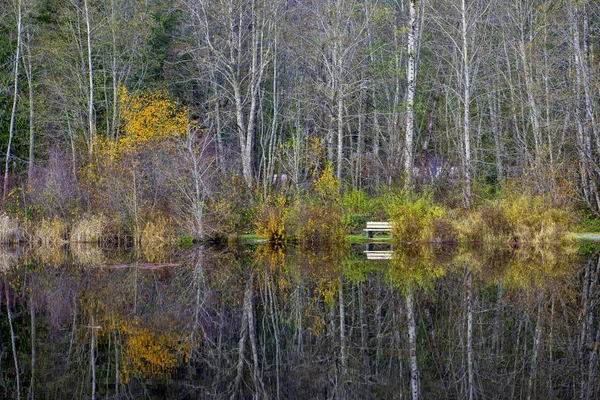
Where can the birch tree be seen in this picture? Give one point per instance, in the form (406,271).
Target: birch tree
(18,10)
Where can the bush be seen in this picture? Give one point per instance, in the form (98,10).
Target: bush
(486,224)
(318,220)
(158,232)
(535,219)
(270,219)
(318,224)
(416,219)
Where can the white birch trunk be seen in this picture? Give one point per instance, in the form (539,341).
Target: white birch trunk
(13,114)
(410,94)
(467,196)
(91,116)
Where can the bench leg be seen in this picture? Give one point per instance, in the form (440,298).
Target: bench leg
(369,234)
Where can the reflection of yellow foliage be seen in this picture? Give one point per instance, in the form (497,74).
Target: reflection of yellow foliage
(50,254)
(414,266)
(271,256)
(151,355)
(328,289)
(539,268)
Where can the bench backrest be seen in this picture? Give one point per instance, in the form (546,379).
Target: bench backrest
(379,225)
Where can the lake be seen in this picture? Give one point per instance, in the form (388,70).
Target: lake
(260,321)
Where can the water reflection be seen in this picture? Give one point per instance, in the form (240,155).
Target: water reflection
(430,321)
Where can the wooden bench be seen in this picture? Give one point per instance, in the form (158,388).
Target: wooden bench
(377,227)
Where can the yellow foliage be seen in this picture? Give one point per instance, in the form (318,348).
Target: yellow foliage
(149,118)
(270,219)
(416,218)
(327,186)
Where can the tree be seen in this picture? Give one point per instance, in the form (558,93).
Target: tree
(18,9)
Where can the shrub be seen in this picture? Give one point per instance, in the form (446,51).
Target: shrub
(535,219)
(318,224)
(157,232)
(270,219)
(229,210)
(488,223)
(358,208)
(318,219)
(415,218)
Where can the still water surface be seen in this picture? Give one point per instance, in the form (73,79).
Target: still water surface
(266,322)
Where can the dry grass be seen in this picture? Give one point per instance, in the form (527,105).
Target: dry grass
(50,232)
(158,233)
(486,224)
(9,256)
(10,230)
(89,229)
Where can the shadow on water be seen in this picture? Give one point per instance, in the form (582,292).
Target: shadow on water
(268,321)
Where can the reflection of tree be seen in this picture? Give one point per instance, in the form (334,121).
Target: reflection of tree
(309,325)
(413,268)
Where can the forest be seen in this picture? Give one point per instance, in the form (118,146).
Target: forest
(152,118)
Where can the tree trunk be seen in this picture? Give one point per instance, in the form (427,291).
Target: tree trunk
(91,111)
(13,114)
(410,94)
(467,196)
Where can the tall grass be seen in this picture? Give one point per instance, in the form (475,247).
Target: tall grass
(50,232)
(90,229)
(10,230)
(157,233)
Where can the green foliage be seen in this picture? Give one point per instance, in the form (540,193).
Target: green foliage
(589,224)
(358,208)
(186,241)
(317,220)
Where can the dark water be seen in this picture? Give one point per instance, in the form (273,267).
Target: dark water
(264,322)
